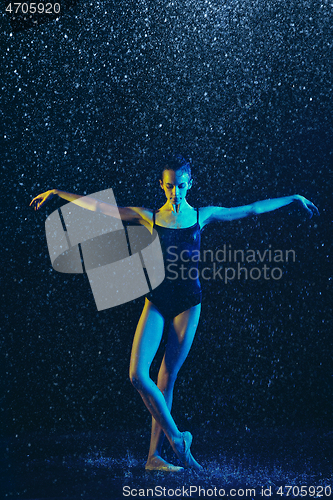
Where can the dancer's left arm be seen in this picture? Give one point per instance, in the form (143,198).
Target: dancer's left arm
(211,214)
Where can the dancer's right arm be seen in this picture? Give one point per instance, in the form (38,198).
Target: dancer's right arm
(133,214)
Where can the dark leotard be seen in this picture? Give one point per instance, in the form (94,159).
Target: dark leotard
(180,289)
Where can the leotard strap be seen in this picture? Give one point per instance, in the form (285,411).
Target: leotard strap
(197,215)
(154,217)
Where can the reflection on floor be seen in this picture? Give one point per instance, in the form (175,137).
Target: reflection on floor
(110,465)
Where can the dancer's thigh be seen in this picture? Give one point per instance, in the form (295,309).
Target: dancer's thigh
(181,334)
(147,338)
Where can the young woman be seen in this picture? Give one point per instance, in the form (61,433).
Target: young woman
(175,300)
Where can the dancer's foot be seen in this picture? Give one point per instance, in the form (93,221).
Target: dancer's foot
(157,463)
(183,452)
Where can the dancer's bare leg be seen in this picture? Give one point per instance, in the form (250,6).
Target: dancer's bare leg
(145,344)
(181,334)
(146,341)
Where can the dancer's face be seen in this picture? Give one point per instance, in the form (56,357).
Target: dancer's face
(175,185)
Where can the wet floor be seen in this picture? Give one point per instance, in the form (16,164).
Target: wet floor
(109,465)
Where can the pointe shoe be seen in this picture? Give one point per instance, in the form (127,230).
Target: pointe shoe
(186,456)
(160,465)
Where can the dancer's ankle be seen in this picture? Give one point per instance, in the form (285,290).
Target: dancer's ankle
(178,441)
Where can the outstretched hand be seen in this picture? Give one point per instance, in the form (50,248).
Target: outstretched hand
(307,204)
(39,200)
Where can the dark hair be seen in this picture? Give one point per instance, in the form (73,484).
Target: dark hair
(175,162)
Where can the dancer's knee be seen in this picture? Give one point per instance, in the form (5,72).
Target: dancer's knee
(166,379)
(137,379)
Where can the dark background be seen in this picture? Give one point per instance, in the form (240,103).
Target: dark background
(90,101)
